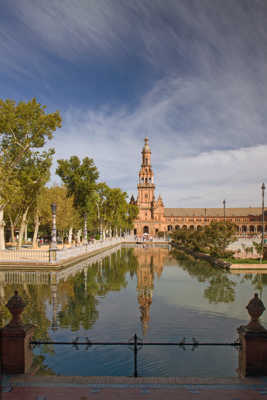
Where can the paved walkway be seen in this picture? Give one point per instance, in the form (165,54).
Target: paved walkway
(99,388)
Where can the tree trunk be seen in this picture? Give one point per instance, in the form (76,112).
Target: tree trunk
(36,229)
(79,236)
(12,231)
(22,226)
(2,229)
(26,232)
(70,235)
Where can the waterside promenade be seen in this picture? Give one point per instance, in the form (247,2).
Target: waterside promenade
(64,255)
(102,388)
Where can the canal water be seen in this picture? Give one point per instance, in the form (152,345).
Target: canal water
(128,290)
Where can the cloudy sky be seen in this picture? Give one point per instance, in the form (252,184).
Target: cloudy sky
(189,74)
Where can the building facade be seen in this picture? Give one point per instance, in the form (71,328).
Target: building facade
(154,218)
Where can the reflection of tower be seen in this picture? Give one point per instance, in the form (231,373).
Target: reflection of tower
(151,261)
(145,278)
(54,301)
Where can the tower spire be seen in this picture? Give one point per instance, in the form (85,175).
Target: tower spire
(145,185)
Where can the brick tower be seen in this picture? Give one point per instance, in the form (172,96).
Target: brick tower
(146,187)
(151,211)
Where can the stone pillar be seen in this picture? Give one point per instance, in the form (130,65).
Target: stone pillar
(253,340)
(15,349)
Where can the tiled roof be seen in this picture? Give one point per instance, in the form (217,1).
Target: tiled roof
(212,212)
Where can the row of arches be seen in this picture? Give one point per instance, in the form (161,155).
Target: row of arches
(240,228)
(243,228)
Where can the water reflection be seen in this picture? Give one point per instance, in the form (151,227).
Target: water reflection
(221,283)
(83,297)
(73,293)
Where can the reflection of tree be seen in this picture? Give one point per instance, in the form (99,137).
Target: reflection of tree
(36,297)
(221,288)
(80,308)
(258,280)
(38,364)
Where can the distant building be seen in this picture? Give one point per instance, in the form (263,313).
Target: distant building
(153,217)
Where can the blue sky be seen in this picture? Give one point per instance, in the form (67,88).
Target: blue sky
(189,74)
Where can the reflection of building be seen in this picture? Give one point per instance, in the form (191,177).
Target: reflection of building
(150,262)
(153,217)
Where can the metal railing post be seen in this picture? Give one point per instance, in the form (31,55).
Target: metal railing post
(135,356)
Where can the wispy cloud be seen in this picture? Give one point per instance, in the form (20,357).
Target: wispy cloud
(225,149)
(204,107)
(188,35)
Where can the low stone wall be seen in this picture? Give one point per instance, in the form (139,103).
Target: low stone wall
(55,257)
(248,266)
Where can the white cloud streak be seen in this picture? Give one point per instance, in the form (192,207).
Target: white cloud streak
(194,166)
(206,116)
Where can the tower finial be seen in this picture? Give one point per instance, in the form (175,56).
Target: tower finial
(146,146)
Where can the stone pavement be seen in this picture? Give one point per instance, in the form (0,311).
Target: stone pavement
(99,388)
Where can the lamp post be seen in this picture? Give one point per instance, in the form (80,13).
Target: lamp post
(262,230)
(54,227)
(85,241)
(224,202)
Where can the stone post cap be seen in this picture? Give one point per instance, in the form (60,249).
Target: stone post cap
(255,307)
(15,302)
(16,306)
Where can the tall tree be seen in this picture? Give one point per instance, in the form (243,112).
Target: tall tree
(24,128)
(80,179)
(33,174)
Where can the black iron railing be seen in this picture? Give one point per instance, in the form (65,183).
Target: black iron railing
(135,343)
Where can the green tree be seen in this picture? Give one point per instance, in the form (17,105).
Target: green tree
(80,179)
(33,174)
(218,236)
(24,128)
(117,210)
(67,217)
(258,248)
(214,238)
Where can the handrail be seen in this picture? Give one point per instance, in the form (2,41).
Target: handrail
(137,344)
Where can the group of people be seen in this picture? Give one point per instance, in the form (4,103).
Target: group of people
(144,238)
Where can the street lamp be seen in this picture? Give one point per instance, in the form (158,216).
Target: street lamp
(262,230)
(85,241)
(224,202)
(54,227)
